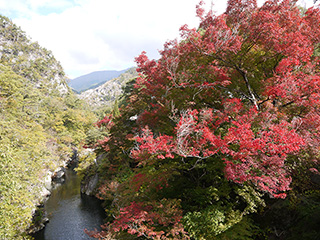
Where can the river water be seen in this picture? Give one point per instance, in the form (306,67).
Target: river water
(70,212)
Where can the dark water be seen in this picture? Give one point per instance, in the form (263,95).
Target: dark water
(70,212)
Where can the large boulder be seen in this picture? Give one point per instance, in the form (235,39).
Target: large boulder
(59,175)
(89,184)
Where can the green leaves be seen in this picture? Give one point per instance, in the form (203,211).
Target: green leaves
(210,222)
(39,123)
(22,156)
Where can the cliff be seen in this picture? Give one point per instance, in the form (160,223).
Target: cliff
(107,94)
(28,59)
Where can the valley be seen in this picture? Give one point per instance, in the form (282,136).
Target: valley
(219,138)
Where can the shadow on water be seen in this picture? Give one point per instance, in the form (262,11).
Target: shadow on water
(70,212)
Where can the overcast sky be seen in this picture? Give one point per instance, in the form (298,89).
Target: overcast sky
(93,35)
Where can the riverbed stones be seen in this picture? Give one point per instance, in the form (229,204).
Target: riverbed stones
(59,175)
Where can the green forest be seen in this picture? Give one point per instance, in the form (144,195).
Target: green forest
(217,139)
(41,122)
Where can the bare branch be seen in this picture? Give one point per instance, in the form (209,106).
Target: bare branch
(253,97)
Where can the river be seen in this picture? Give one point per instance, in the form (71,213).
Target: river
(70,212)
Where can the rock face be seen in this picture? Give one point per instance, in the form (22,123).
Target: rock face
(59,175)
(89,184)
(107,93)
(40,219)
(29,59)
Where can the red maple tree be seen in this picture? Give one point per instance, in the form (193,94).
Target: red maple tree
(244,88)
(246,85)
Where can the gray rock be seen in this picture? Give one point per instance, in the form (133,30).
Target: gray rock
(48,181)
(106,94)
(59,175)
(90,184)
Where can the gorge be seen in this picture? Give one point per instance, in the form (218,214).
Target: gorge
(70,212)
(217,139)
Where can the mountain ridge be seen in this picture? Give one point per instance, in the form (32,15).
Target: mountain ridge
(107,93)
(94,79)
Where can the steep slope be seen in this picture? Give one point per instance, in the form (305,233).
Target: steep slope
(93,79)
(106,94)
(41,120)
(28,59)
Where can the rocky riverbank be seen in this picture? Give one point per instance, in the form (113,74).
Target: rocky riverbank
(52,180)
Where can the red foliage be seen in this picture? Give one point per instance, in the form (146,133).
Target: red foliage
(161,145)
(257,139)
(256,156)
(106,122)
(140,218)
(243,87)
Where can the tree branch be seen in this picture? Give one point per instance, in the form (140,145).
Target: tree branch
(250,90)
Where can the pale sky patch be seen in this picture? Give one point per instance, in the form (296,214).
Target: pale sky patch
(94,35)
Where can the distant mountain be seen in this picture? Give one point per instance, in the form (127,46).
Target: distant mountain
(93,79)
(107,93)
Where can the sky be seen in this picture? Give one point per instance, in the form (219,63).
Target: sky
(94,35)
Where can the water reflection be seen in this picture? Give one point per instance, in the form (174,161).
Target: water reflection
(70,213)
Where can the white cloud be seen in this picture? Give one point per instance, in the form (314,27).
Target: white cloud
(92,35)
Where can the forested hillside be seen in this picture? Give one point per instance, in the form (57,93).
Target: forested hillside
(41,121)
(219,138)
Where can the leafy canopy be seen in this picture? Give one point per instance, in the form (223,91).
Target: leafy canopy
(219,116)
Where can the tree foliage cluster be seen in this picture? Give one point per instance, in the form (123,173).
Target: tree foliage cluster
(41,121)
(220,132)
